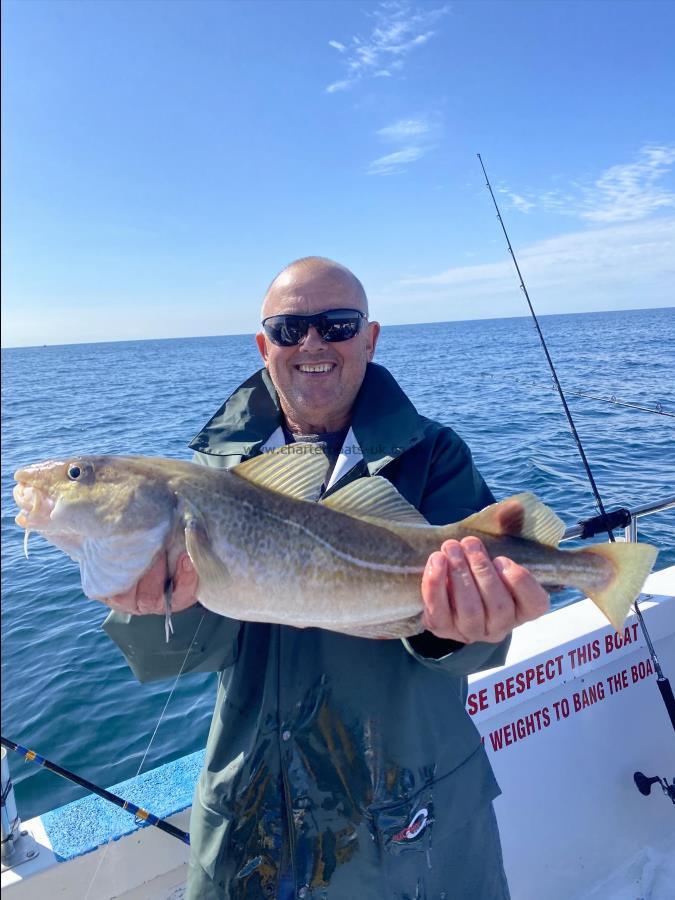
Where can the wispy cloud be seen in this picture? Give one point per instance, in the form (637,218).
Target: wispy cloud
(615,263)
(337,86)
(522,204)
(399,28)
(405,129)
(632,191)
(412,138)
(393,163)
(602,268)
(627,192)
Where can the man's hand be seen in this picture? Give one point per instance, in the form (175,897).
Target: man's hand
(147,596)
(468,597)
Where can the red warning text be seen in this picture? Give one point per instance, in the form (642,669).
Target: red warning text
(523,681)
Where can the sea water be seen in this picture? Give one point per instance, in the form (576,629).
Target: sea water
(67,692)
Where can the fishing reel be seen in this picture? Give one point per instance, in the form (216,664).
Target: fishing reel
(644,785)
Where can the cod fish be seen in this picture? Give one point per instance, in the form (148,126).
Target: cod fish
(265,551)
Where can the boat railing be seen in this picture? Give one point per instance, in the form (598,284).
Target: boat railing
(619,518)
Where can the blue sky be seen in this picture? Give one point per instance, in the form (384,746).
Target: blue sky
(163,160)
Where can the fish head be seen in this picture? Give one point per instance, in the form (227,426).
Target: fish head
(94,495)
(111,514)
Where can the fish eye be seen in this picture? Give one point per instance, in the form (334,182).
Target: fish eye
(80,470)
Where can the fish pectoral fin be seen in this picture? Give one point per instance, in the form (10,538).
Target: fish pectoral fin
(297,470)
(375,499)
(522,515)
(210,568)
(112,565)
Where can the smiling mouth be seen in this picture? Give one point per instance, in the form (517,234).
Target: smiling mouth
(316,368)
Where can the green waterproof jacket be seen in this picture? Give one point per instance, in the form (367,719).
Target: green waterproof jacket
(343,767)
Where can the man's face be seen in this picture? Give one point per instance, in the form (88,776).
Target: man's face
(317,382)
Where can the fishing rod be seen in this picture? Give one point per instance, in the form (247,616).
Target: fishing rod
(662,682)
(575,434)
(658,409)
(127,805)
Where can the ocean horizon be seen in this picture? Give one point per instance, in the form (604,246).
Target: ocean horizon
(384,325)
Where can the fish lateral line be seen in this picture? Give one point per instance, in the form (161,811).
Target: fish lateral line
(116,526)
(341,554)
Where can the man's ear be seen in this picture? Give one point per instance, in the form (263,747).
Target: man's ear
(373,335)
(261,341)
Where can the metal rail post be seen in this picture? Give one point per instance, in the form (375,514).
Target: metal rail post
(11,823)
(631,533)
(18,845)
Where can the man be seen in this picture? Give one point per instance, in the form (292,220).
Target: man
(341,767)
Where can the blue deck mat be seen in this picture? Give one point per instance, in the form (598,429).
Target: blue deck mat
(83,825)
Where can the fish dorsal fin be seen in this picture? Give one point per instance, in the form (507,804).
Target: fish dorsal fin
(374,498)
(522,515)
(297,470)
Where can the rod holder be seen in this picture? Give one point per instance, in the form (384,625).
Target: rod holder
(644,784)
(11,823)
(18,845)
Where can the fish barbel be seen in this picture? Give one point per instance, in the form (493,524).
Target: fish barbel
(352,562)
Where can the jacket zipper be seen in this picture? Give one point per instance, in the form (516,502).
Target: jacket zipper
(287,863)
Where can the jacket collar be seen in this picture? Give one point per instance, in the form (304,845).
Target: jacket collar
(384,422)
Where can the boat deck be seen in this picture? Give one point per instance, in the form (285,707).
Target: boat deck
(569,719)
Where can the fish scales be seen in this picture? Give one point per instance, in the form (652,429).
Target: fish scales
(321,566)
(265,551)
(270,539)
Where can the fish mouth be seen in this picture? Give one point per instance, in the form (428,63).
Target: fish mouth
(35,508)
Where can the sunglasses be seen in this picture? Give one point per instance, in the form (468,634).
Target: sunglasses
(332,326)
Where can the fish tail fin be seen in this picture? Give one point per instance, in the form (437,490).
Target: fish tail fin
(631,564)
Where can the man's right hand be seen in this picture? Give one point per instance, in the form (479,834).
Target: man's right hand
(147,595)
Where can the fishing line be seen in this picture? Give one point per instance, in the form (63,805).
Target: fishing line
(147,750)
(556,473)
(662,682)
(168,699)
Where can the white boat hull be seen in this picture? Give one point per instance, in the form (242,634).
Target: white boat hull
(569,719)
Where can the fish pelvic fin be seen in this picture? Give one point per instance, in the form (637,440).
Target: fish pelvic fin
(297,470)
(522,515)
(401,628)
(376,500)
(631,563)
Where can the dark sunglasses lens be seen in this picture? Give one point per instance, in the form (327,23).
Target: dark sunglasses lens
(333,326)
(338,326)
(286,331)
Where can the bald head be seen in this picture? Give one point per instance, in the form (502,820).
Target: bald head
(317,380)
(311,285)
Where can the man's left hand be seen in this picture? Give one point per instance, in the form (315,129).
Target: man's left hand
(469,597)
